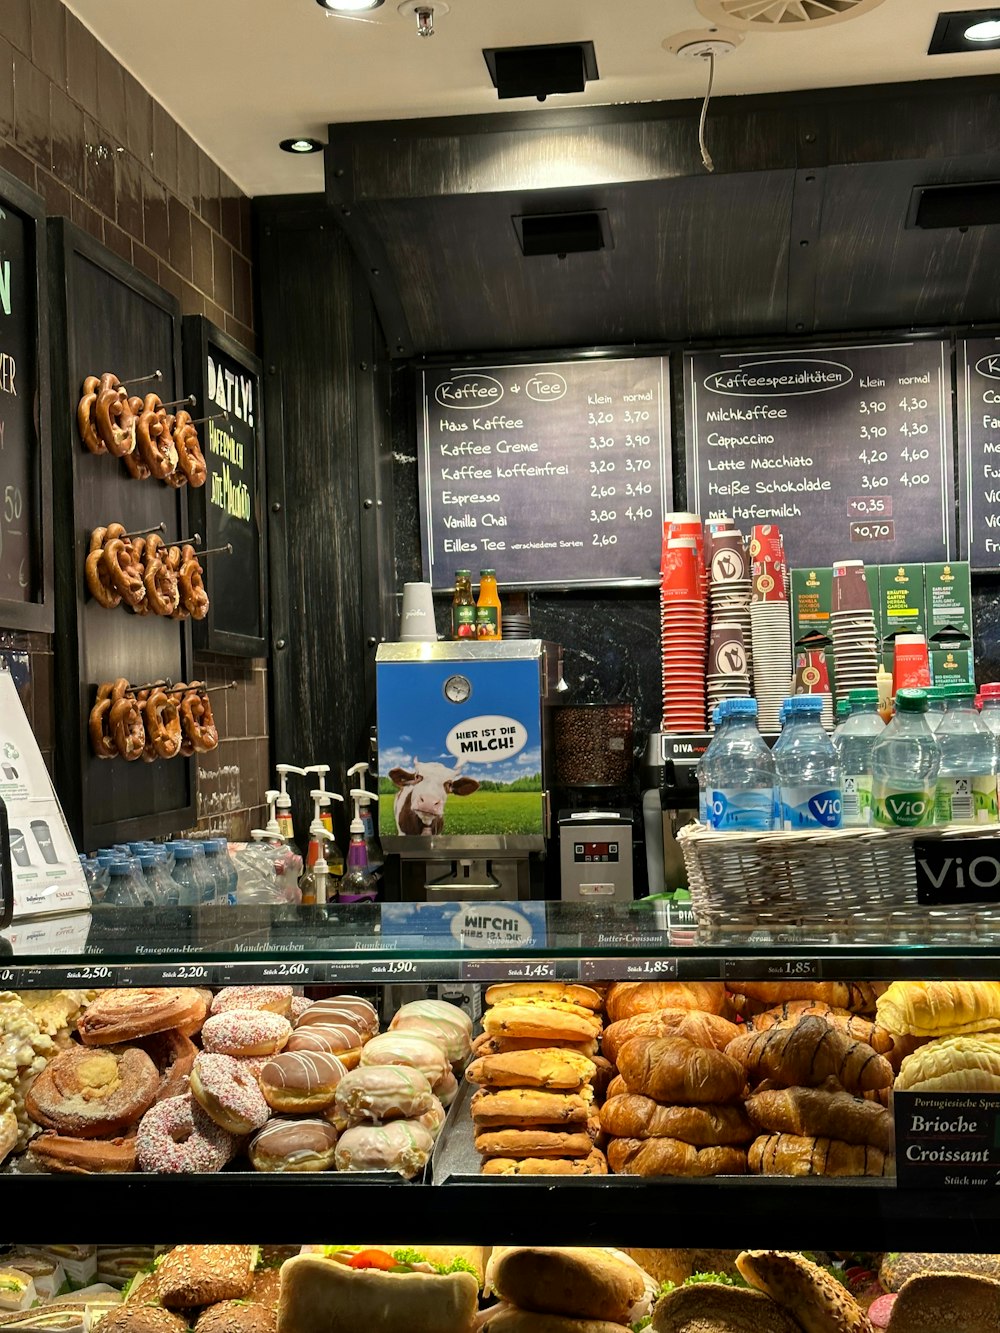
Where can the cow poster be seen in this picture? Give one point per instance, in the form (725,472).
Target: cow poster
(460,749)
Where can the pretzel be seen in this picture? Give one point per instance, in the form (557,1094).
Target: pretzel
(134,465)
(123,571)
(177,693)
(190,459)
(155,446)
(108,413)
(125,722)
(163,726)
(148,753)
(160,581)
(192,586)
(100,741)
(99,582)
(197,720)
(85,421)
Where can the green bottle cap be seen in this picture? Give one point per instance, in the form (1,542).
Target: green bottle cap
(859,697)
(958,690)
(911,701)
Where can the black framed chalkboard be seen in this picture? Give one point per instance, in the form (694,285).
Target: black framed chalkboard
(555,473)
(978,394)
(26,563)
(849,449)
(106,316)
(231,507)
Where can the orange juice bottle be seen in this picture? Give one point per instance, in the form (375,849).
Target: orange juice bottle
(488,625)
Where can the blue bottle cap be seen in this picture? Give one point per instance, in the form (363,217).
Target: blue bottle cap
(806,704)
(184,852)
(738,708)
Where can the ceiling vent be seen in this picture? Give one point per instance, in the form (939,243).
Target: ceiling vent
(537,71)
(784,15)
(563,234)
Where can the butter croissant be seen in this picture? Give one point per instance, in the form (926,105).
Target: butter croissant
(940,1008)
(819,1114)
(808,1054)
(802,1155)
(953,1064)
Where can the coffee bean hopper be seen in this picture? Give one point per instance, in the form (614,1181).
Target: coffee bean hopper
(592,745)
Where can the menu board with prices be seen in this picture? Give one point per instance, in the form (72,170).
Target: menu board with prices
(556,474)
(978,369)
(849,450)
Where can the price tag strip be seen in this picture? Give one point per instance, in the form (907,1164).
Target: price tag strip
(772,969)
(628,969)
(520,969)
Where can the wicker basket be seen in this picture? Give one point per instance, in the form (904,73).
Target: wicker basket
(848,877)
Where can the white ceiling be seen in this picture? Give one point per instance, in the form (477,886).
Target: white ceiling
(240,75)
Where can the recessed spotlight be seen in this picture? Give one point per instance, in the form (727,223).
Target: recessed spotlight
(966,30)
(301,146)
(349,6)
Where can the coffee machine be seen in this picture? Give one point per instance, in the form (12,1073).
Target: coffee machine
(464,740)
(669,801)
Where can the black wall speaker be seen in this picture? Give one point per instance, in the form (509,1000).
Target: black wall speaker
(537,71)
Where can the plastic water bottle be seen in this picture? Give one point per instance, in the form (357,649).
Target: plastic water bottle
(990,695)
(809,772)
(738,772)
(719,726)
(226,871)
(168,888)
(854,742)
(936,705)
(967,778)
(905,764)
(125,888)
(257,882)
(843,712)
(186,874)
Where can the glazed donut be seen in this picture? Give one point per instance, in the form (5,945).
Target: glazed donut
(85,421)
(408,1048)
(330,1038)
(275,999)
(193,594)
(123,572)
(299,1081)
(244,1032)
(99,583)
(350,1009)
(163,726)
(228,1093)
(300,1004)
(294,1145)
(384,1092)
(177,1136)
(190,459)
(401,1145)
(198,722)
(127,730)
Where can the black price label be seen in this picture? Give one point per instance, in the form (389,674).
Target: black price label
(290,973)
(27,978)
(947,1140)
(90,976)
(952,871)
(171,974)
(628,969)
(772,969)
(516,969)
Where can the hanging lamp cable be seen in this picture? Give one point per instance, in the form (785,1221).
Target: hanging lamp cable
(706,156)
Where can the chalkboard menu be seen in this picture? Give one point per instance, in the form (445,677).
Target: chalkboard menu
(25,569)
(849,450)
(979,450)
(555,474)
(229,509)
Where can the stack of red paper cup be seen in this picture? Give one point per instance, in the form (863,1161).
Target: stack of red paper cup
(770,622)
(683,624)
(812,676)
(855,644)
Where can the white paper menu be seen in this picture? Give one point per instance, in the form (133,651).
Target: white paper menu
(44,861)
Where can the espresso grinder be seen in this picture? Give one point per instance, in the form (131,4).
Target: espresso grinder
(593,769)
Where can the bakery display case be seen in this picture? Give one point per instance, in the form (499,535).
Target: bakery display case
(599,1077)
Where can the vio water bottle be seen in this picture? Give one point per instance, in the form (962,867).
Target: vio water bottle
(905,763)
(854,742)
(809,772)
(967,778)
(737,772)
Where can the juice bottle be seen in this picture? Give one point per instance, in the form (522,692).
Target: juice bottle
(488,623)
(463,607)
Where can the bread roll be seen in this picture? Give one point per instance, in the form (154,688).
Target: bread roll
(671,1157)
(940,1008)
(674,1071)
(637,1117)
(711,1307)
(538,1141)
(809,1054)
(812,1296)
(320,1296)
(703,1029)
(550,1068)
(546,991)
(899,1268)
(797,1155)
(860,1029)
(582,1283)
(953,1064)
(678,1265)
(947,1304)
(529,1106)
(594,1165)
(508,1319)
(818,1113)
(626,998)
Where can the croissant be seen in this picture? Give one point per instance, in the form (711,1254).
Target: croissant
(857,996)
(637,1117)
(674,1071)
(803,1155)
(703,1029)
(953,1064)
(940,1008)
(671,1157)
(789,1013)
(809,1054)
(818,1301)
(626,998)
(817,1113)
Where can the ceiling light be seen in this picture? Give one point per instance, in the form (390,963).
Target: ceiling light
(300,146)
(986,31)
(966,30)
(349,6)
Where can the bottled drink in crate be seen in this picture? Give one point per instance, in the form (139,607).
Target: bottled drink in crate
(809,772)
(967,778)
(854,743)
(905,764)
(736,772)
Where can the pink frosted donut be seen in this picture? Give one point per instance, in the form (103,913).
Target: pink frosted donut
(275,999)
(408,1048)
(300,1003)
(352,1009)
(245,1032)
(228,1093)
(177,1136)
(253,1064)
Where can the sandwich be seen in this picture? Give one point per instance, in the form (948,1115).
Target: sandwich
(576,1289)
(349,1288)
(17,1290)
(237,1317)
(193,1275)
(715,1307)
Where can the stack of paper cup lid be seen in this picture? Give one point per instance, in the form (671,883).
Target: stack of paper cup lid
(728,677)
(729,578)
(683,624)
(812,676)
(770,624)
(852,625)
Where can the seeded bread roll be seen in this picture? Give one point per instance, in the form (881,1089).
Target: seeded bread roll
(508,1319)
(897,1269)
(192,1275)
(672,1157)
(711,1307)
(947,1304)
(637,1117)
(816,1300)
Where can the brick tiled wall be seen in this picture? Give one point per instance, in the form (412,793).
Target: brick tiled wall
(80,130)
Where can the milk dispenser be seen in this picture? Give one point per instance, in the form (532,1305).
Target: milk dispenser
(463,749)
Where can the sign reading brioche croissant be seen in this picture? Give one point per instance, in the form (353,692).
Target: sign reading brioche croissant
(953,1064)
(671,1157)
(819,1113)
(809,1054)
(800,1155)
(674,1071)
(940,1008)
(691,1024)
(636,1117)
(817,1300)
(626,998)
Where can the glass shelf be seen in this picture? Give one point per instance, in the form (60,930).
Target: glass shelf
(418,943)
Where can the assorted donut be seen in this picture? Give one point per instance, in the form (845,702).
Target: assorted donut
(145,574)
(149,440)
(159,722)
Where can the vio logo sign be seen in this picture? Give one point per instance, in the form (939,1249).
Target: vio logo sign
(945,875)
